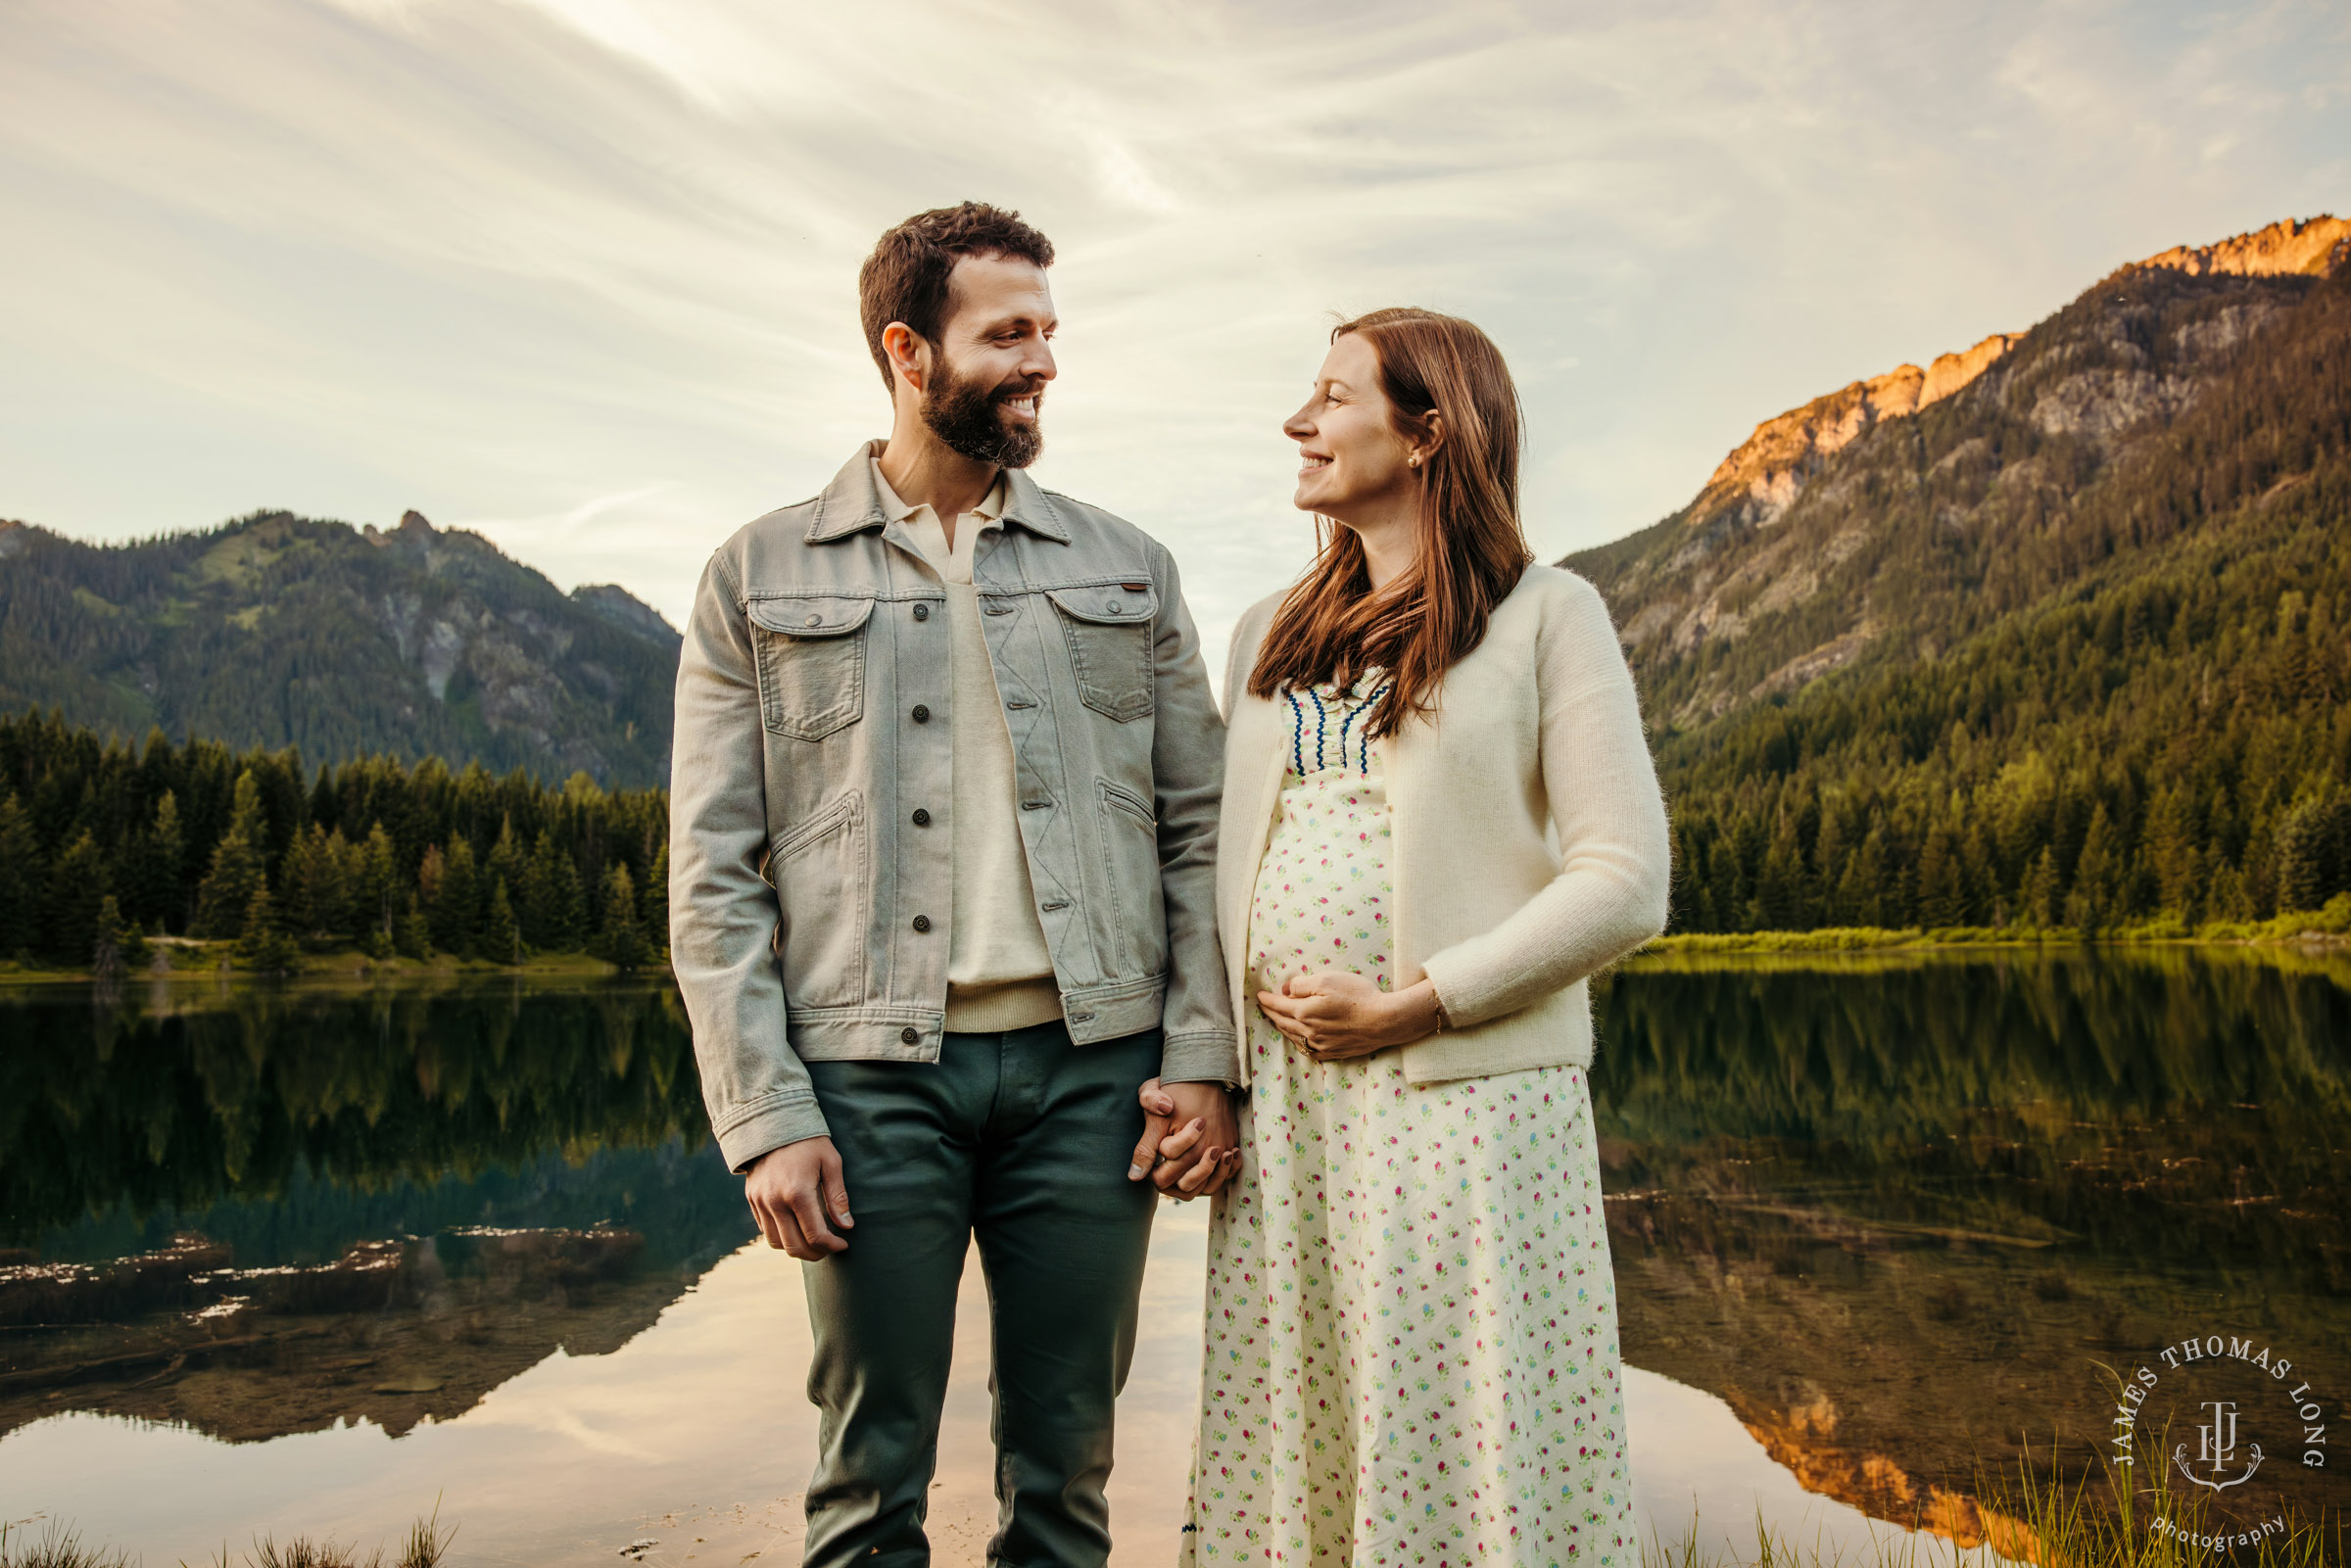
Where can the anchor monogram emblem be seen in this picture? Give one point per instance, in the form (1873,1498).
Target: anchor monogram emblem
(2217,1449)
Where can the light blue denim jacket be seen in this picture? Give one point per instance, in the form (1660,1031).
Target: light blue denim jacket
(808,918)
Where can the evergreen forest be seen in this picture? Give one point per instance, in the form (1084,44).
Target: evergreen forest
(2068,649)
(104,846)
(2105,667)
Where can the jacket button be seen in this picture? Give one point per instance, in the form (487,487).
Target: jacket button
(922,817)
(1113,608)
(922,713)
(816,620)
(911,1036)
(921,922)
(922,612)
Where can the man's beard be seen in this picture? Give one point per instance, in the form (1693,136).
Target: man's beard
(963,414)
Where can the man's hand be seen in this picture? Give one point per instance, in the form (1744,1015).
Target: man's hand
(1335,1016)
(794,1191)
(1190,1143)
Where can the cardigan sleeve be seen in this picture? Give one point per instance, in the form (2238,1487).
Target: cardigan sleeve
(1240,655)
(1609,896)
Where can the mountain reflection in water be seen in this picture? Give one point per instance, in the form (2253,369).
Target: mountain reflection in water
(1891,1209)
(1899,1209)
(265,1212)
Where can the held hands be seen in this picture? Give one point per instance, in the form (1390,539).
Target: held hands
(796,1195)
(1201,1153)
(1336,1015)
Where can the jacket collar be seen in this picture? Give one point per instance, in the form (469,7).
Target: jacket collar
(853,503)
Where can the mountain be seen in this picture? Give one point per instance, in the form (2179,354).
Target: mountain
(278,629)
(2052,632)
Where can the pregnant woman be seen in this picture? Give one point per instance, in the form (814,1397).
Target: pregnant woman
(1439,819)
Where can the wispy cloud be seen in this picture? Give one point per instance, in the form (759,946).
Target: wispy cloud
(582,270)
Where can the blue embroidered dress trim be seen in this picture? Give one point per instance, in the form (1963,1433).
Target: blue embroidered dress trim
(1342,736)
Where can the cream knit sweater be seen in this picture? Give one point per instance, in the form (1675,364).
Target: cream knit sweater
(1537,733)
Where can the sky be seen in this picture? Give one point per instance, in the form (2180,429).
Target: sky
(580,275)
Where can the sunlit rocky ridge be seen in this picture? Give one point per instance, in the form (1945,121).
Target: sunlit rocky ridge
(1789,545)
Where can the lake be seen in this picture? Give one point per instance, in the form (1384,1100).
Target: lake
(320,1260)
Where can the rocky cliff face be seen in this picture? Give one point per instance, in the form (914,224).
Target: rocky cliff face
(1762,477)
(1805,547)
(278,629)
(2297,246)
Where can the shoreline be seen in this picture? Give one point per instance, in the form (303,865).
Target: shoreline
(2328,928)
(189,959)
(2325,930)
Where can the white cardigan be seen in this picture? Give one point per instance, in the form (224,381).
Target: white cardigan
(1538,730)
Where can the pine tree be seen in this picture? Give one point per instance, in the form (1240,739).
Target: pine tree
(2096,899)
(621,941)
(655,916)
(264,945)
(373,903)
(413,937)
(447,886)
(507,863)
(107,958)
(1866,888)
(552,917)
(2176,856)
(77,888)
(2037,895)
(1942,889)
(1980,869)
(226,895)
(502,933)
(316,884)
(156,894)
(2230,898)
(1780,884)
(2309,856)
(19,879)
(119,944)
(1830,853)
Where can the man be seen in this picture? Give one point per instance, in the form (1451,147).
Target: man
(943,829)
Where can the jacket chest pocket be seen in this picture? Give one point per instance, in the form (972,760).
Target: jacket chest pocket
(811,655)
(1109,633)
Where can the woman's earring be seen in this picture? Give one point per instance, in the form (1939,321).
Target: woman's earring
(1414,462)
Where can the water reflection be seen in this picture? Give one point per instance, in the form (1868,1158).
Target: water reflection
(155,1109)
(272,1211)
(1897,1211)
(1892,1212)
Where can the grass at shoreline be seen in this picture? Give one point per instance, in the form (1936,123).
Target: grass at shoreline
(189,959)
(2324,928)
(2114,1521)
(427,1544)
(2033,1522)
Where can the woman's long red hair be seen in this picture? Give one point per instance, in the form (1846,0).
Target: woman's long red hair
(1473,552)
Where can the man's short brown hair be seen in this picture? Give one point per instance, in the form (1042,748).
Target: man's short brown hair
(905,279)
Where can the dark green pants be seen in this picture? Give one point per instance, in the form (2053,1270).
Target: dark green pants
(1022,1140)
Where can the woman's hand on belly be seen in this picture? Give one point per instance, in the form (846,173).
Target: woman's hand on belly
(1335,1016)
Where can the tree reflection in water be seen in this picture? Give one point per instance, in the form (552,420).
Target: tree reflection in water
(261,1210)
(1897,1209)
(1893,1210)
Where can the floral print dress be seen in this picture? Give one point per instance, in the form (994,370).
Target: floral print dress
(1411,1329)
